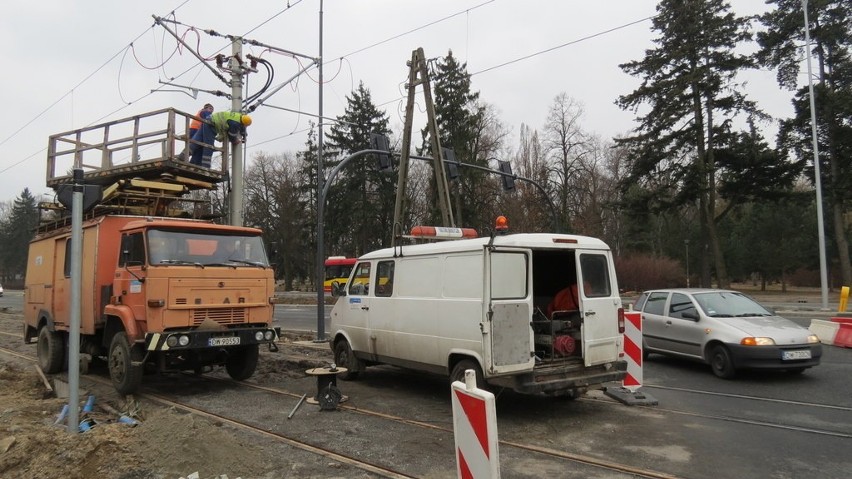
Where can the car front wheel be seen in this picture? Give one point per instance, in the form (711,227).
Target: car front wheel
(721,363)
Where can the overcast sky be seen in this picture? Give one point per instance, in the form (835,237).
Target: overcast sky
(67,65)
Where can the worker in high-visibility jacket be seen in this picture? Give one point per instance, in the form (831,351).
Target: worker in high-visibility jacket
(203,114)
(230,124)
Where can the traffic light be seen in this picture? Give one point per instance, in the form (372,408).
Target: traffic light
(451,162)
(507,178)
(383,160)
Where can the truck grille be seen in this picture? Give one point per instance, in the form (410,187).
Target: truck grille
(219,315)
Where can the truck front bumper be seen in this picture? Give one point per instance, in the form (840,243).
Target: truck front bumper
(187,340)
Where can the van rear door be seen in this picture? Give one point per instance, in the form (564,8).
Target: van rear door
(508,343)
(600,302)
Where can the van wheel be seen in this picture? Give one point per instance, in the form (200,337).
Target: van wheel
(344,357)
(125,376)
(464,365)
(242,362)
(721,363)
(51,351)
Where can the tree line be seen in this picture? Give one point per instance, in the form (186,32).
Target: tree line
(694,187)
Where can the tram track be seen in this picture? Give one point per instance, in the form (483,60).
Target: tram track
(345,459)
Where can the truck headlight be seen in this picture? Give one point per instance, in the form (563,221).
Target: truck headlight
(172,341)
(268,335)
(183,340)
(258,336)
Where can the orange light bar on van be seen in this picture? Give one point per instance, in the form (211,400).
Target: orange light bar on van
(442,232)
(501,224)
(565,240)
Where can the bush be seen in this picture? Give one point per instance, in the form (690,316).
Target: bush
(639,272)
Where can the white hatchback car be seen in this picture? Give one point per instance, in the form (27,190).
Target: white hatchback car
(725,329)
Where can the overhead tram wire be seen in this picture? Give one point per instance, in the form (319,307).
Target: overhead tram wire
(71,91)
(107,62)
(467,10)
(573,42)
(547,50)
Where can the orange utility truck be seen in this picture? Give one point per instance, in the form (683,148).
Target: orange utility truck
(160,289)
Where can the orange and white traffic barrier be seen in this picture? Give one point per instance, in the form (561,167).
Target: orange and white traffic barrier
(475,430)
(633,350)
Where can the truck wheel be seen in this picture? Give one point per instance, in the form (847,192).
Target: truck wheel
(720,361)
(51,351)
(125,376)
(242,362)
(345,358)
(464,365)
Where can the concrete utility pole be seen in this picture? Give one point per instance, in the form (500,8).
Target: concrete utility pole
(235,212)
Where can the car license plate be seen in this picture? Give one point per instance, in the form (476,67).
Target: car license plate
(230,341)
(799,354)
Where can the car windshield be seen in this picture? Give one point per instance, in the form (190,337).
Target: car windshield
(726,304)
(202,248)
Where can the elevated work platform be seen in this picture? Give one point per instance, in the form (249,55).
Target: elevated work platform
(137,162)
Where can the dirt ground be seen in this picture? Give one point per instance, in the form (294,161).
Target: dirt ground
(166,443)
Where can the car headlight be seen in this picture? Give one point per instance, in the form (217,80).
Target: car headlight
(258,336)
(183,340)
(813,339)
(750,341)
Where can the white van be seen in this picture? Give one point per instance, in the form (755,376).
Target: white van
(480,304)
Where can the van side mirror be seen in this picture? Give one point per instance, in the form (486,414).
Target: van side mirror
(337,289)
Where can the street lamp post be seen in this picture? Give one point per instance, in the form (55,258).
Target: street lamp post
(817,177)
(686,243)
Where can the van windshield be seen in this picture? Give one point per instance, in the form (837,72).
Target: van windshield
(201,248)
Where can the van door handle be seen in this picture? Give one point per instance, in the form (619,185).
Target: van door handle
(590,313)
(668,323)
(365,308)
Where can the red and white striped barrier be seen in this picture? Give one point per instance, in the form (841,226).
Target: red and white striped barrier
(475,428)
(837,332)
(633,350)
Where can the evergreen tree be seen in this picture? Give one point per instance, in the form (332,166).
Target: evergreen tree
(17,232)
(688,87)
(831,44)
(459,118)
(359,210)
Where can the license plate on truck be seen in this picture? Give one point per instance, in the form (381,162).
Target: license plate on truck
(230,341)
(799,354)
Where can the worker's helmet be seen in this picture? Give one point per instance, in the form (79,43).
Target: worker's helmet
(246,120)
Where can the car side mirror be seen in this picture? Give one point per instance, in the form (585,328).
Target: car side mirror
(690,314)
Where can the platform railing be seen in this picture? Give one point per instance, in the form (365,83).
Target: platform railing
(154,136)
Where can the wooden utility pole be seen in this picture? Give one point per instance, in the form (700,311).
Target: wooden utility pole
(418,74)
